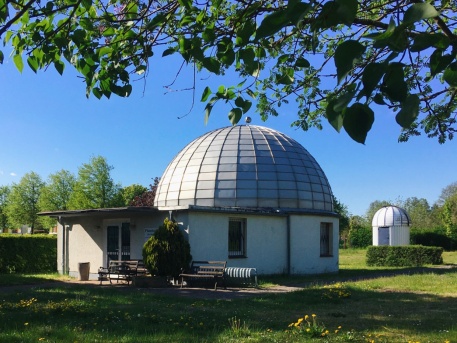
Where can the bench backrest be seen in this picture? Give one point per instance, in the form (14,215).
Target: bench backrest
(122,265)
(208,267)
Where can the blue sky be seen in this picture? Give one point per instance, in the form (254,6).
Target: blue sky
(47,124)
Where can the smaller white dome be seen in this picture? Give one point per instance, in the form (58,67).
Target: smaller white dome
(391,216)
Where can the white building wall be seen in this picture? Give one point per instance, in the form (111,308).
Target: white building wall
(266,244)
(305,245)
(84,243)
(398,235)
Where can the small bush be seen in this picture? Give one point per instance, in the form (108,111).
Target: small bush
(167,252)
(360,237)
(403,256)
(28,253)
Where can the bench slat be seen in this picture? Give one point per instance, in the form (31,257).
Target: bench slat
(205,270)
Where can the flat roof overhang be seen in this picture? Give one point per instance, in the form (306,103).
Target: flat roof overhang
(101,212)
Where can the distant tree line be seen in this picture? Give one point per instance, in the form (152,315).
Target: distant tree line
(434,224)
(93,187)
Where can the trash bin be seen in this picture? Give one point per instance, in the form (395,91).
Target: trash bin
(84,269)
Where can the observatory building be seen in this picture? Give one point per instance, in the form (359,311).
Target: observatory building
(391,226)
(245,194)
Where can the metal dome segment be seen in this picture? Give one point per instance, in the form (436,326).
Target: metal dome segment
(245,166)
(388,216)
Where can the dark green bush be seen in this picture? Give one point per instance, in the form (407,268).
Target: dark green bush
(360,237)
(435,237)
(167,252)
(403,256)
(28,253)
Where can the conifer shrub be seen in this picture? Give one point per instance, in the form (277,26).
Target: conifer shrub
(403,256)
(167,252)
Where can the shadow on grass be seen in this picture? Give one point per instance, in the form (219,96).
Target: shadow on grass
(77,312)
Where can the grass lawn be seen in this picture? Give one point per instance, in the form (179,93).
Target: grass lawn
(412,307)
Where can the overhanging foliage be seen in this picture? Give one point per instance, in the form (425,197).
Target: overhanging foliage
(343,60)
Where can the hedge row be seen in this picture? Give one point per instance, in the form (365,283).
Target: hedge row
(28,253)
(404,256)
(433,237)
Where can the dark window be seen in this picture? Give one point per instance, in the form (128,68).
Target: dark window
(237,237)
(326,238)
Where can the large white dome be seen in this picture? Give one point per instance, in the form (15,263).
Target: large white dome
(391,216)
(244,166)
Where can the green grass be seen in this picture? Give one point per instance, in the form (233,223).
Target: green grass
(417,307)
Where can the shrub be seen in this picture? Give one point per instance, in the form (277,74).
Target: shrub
(167,252)
(433,237)
(360,237)
(28,253)
(403,256)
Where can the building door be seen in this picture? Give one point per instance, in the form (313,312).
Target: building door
(118,238)
(383,236)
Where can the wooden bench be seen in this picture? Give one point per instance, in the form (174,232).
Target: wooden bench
(205,271)
(121,271)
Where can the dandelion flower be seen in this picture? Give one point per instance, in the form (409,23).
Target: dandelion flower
(306,317)
(313,315)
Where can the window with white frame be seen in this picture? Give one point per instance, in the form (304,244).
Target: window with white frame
(237,237)
(326,238)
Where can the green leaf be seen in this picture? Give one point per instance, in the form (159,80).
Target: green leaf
(439,62)
(302,63)
(450,75)
(33,63)
(271,24)
(168,51)
(346,55)
(208,109)
(98,94)
(2,57)
(347,11)
(371,77)
(382,36)
(206,93)
(427,40)
(343,101)
(212,65)
(235,115)
(394,84)
(286,78)
(335,118)
(419,11)
(296,11)
(60,66)
(379,99)
(246,106)
(17,59)
(106,50)
(358,120)
(409,111)
(243,35)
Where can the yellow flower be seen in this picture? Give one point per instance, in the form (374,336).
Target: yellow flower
(306,317)
(313,315)
(26,323)
(336,331)
(299,320)
(308,329)
(339,327)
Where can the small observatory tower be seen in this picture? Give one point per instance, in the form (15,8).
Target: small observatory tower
(391,226)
